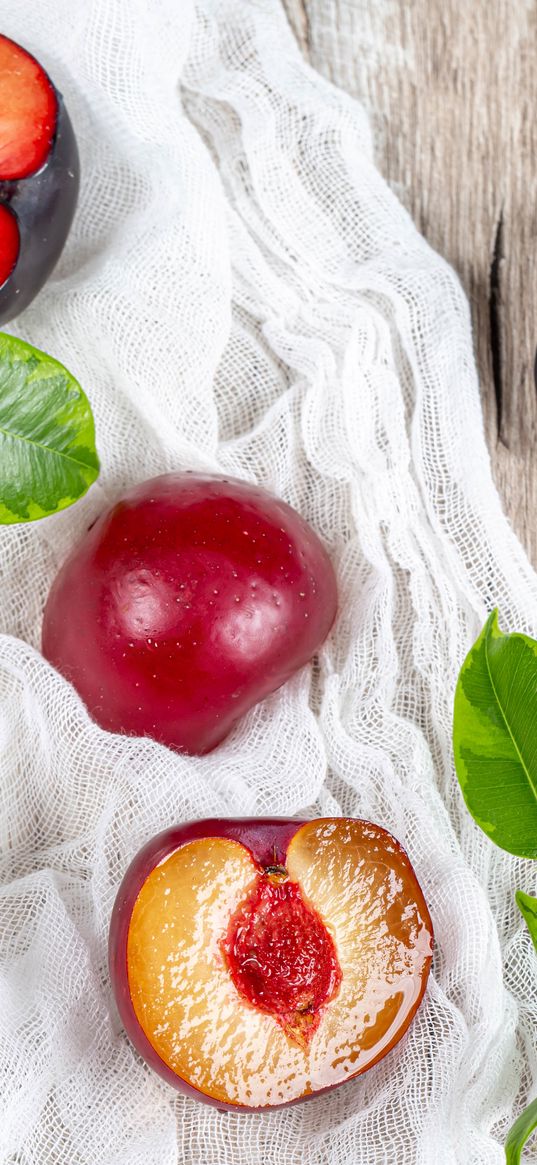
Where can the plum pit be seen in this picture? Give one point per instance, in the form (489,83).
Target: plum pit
(281,956)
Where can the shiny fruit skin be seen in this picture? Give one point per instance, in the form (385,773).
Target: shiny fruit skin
(268,840)
(43,204)
(186,603)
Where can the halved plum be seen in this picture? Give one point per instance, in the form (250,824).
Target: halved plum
(257,963)
(39,177)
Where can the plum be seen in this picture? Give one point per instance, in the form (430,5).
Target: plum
(39,177)
(256,963)
(186,603)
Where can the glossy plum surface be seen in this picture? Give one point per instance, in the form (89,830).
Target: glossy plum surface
(39,177)
(358,880)
(186,603)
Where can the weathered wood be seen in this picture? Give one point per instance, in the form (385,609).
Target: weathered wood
(451,90)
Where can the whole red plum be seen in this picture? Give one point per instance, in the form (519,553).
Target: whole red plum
(186,603)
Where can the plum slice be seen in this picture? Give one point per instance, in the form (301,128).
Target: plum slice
(252,985)
(28,112)
(9,243)
(39,177)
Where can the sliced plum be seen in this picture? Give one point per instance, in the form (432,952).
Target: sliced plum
(28,112)
(39,177)
(251,983)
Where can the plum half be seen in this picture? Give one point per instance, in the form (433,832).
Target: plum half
(188,601)
(39,177)
(258,962)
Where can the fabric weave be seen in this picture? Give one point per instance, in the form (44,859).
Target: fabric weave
(242,293)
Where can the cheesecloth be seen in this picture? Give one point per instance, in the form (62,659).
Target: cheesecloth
(242,293)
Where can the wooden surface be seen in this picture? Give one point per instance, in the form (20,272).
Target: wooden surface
(451,91)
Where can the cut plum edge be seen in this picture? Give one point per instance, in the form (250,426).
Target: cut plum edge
(9,242)
(157,851)
(27,156)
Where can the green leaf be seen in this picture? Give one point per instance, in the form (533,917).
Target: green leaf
(519,1133)
(47,437)
(528,909)
(495,737)
(527,1121)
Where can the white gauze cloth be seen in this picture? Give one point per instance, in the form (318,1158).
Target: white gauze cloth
(242,293)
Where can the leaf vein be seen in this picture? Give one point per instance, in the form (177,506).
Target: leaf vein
(45,448)
(505,720)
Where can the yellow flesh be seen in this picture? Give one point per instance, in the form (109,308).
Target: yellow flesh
(185,1000)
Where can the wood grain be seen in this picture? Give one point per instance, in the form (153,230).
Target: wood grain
(451,91)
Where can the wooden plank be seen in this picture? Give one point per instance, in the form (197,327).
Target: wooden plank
(451,91)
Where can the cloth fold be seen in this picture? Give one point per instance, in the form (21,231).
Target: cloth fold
(242,293)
